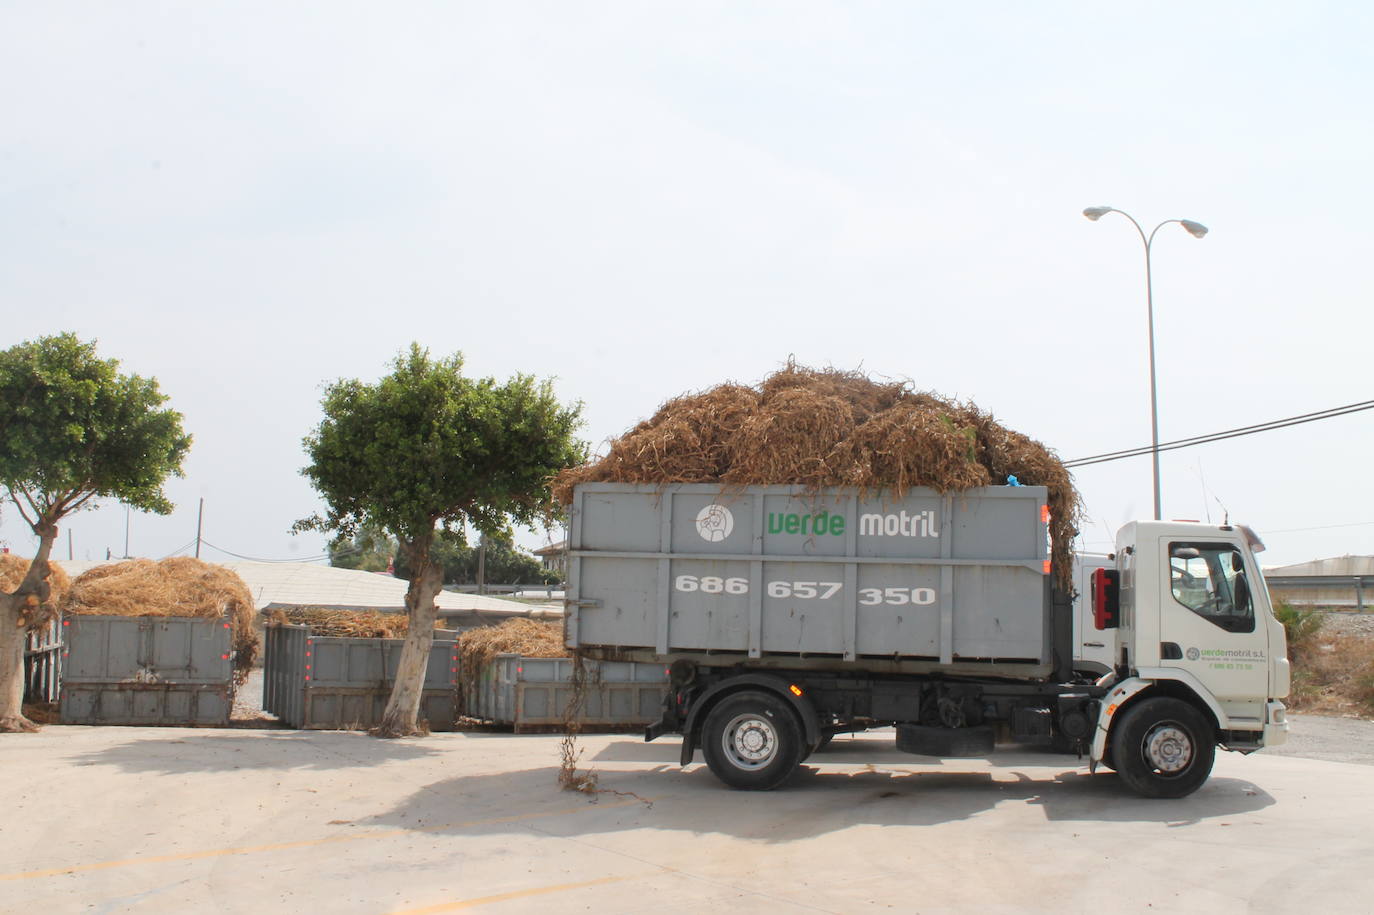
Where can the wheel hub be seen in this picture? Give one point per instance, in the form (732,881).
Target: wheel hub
(1169,749)
(750,741)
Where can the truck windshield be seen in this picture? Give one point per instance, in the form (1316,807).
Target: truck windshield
(1209,579)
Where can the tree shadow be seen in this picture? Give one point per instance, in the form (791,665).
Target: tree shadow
(276,750)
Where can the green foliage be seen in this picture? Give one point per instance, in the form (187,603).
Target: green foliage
(505,563)
(1299,627)
(73,429)
(426,446)
(368,550)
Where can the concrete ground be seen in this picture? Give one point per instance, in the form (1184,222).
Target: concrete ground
(173,820)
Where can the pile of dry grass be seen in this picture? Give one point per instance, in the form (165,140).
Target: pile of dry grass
(181,587)
(353,624)
(357,624)
(525,637)
(35,615)
(825,427)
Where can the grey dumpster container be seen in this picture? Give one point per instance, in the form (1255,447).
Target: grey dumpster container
(534,693)
(779,573)
(332,682)
(147,670)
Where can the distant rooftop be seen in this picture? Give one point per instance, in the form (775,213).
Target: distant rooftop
(304,584)
(1336,565)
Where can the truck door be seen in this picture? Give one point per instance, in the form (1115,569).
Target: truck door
(1208,624)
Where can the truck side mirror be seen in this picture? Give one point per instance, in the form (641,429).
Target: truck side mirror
(1106,598)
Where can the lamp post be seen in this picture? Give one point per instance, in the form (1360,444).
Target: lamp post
(1195,229)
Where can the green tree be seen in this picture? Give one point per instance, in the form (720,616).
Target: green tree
(72,430)
(423,453)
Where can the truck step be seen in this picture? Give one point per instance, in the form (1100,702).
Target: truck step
(944,742)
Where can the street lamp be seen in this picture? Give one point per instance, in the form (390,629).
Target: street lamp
(1195,229)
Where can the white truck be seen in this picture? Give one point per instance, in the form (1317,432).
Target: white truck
(788,616)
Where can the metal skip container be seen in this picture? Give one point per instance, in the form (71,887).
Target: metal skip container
(333,682)
(536,693)
(147,670)
(927,581)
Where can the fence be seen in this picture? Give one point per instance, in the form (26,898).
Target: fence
(534,693)
(331,682)
(43,664)
(146,671)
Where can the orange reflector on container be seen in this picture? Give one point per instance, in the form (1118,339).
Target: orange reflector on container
(1047,567)
(795,690)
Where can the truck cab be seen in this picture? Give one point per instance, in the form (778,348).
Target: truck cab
(1202,659)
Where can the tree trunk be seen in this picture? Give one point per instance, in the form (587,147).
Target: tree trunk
(34,587)
(401,718)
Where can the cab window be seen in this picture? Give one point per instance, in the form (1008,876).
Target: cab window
(1209,579)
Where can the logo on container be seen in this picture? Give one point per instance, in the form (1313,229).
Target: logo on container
(714,523)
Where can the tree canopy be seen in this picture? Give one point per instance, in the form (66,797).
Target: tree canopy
(74,429)
(427,446)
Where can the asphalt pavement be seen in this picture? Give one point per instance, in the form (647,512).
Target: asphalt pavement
(177,820)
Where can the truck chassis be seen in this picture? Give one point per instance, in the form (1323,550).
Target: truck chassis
(755,727)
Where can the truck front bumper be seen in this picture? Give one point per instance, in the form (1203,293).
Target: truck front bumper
(1275,724)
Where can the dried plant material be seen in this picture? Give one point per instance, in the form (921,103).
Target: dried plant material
(527,638)
(179,587)
(331,622)
(35,614)
(826,427)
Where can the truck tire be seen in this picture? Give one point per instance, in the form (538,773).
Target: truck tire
(752,740)
(1163,747)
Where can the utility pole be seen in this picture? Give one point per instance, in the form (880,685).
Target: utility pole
(482,565)
(200,516)
(126,532)
(70,554)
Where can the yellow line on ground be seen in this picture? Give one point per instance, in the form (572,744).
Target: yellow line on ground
(504,897)
(307,843)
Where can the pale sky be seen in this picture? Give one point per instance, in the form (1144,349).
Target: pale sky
(247,200)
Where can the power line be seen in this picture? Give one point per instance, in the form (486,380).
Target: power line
(1321,527)
(1221,436)
(184,546)
(221,549)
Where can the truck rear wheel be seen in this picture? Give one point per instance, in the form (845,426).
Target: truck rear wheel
(1163,747)
(752,740)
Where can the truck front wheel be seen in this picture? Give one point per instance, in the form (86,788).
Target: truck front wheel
(752,740)
(1163,747)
